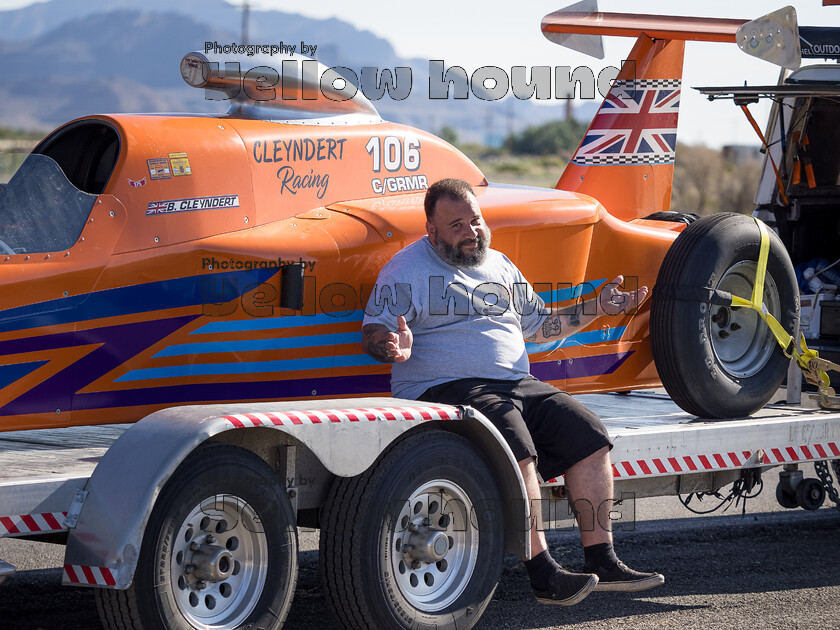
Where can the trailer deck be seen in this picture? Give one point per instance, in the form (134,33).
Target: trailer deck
(659,450)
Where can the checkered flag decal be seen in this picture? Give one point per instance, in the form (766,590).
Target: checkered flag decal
(636,124)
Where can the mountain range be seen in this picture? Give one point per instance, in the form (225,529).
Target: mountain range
(67,58)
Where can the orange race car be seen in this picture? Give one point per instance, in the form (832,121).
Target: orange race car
(149,261)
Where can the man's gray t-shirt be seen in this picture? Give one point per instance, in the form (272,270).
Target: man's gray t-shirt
(467,323)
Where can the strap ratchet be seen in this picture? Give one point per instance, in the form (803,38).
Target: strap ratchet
(813,367)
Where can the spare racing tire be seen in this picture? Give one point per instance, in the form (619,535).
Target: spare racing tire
(715,360)
(673,217)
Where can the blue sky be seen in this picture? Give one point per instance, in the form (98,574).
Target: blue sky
(474,33)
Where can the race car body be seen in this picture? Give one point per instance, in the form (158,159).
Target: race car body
(156,260)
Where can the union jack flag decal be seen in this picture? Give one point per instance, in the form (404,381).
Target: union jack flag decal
(636,124)
(157,207)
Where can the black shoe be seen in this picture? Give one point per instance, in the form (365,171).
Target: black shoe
(623,578)
(566,588)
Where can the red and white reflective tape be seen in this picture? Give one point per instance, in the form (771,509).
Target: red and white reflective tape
(43,523)
(97,576)
(326,416)
(788,454)
(653,467)
(657,466)
(674,465)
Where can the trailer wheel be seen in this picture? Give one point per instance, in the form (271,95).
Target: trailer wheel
(417,540)
(219,550)
(785,499)
(719,361)
(810,494)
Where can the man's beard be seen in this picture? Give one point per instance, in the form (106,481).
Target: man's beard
(456,257)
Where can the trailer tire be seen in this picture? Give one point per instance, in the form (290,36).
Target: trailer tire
(384,566)
(810,494)
(219,550)
(718,361)
(784,498)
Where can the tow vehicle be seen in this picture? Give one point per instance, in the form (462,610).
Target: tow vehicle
(798,189)
(201,279)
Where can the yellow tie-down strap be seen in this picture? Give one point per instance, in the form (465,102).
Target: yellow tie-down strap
(809,361)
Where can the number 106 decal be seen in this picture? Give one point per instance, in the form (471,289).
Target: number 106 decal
(394,153)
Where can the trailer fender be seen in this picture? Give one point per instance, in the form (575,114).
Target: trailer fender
(345,436)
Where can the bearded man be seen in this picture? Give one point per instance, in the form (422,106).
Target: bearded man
(455,333)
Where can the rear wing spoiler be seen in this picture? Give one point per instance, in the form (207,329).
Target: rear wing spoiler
(775,37)
(556,26)
(626,157)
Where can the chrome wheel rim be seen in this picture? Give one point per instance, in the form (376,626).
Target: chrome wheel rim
(434,545)
(742,342)
(219,563)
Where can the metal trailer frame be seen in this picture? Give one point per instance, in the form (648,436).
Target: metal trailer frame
(662,451)
(105,511)
(103,507)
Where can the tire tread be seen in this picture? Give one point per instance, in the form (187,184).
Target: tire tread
(343,535)
(116,610)
(662,312)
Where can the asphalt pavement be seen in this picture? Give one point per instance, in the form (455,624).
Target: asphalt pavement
(767,568)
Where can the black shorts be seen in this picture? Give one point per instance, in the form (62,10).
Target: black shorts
(537,419)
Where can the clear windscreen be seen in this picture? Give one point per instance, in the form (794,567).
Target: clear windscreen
(40,210)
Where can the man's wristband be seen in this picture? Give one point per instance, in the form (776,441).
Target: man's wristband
(574,318)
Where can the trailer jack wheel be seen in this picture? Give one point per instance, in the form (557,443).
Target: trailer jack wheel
(785,499)
(219,551)
(416,541)
(810,494)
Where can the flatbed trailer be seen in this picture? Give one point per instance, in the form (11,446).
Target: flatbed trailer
(63,486)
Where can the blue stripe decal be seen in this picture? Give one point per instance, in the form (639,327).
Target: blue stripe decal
(296,321)
(254,345)
(280,323)
(257,367)
(570,293)
(578,339)
(10,373)
(142,298)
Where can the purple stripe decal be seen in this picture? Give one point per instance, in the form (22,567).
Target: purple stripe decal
(211,392)
(117,345)
(327,386)
(34,344)
(580,367)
